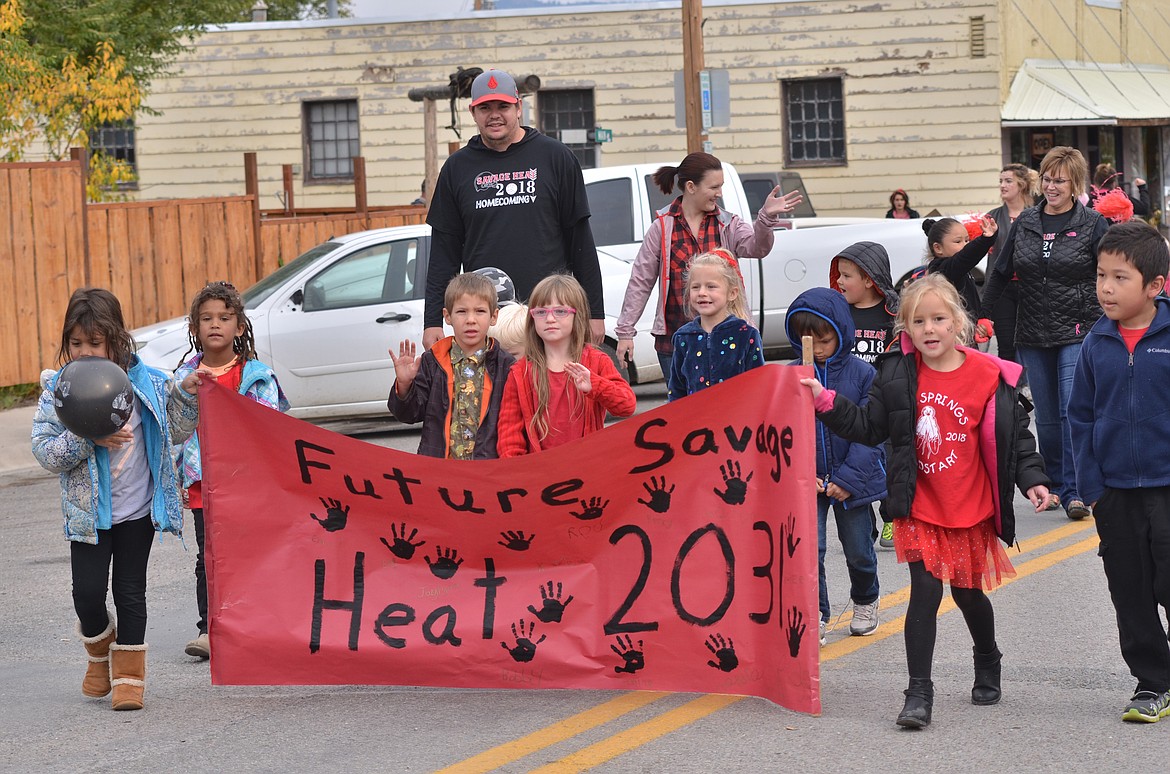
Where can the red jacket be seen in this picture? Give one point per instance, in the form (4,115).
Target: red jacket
(515,433)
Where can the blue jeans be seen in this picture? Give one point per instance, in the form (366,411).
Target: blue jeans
(855,528)
(1050,374)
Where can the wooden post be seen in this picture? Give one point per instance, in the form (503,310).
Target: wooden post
(252,188)
(359,188)
(430,149)
(692,35)
(806,350)
(81,156)
(289,203)
(452,147)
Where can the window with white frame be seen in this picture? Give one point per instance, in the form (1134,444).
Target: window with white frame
(331,139)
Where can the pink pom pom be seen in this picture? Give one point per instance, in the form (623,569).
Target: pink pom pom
(1113,204)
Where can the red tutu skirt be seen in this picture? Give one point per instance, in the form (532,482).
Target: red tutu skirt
(967,557)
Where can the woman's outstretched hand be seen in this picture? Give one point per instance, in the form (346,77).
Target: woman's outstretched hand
(1038,495)
(778,204)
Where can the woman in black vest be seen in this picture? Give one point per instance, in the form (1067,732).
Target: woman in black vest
(1052,249)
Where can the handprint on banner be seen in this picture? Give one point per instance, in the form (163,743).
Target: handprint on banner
(789,534)
(335,515)
(516,541)
(403,546)
(591,510)
(795,632)
(551,606)
(724,650)
(659,501)
(525,649)
(632,657)
(446,563)
(736,485)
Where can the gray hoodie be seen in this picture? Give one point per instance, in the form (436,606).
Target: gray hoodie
(872,259)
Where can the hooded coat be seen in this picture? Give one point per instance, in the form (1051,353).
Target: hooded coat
(855,467)
(872,259)
(1008,448)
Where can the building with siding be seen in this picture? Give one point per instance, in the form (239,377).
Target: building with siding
(933,96)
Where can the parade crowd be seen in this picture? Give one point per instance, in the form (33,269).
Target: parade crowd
(920,443)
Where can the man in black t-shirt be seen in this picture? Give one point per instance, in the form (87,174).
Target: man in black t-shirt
(512,198)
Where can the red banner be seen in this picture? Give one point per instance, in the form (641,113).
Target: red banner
(673,551)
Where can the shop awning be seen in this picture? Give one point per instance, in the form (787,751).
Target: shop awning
(1062,93)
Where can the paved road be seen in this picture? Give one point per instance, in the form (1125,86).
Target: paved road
(1064,684)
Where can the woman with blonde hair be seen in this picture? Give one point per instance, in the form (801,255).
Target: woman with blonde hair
(1018,188)
(1052,249)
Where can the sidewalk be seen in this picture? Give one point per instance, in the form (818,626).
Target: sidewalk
(15,433)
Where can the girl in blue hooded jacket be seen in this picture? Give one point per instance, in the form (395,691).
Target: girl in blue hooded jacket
(850,476)
(116,493)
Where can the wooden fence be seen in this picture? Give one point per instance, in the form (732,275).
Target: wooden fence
(154,255)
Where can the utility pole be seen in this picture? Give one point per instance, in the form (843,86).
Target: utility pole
(692,35)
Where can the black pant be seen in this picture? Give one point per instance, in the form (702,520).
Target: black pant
(127,547)
(200,571)
(1134,527)
(1003,317)
(922,619)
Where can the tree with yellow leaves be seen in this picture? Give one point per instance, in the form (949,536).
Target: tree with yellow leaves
(60,106)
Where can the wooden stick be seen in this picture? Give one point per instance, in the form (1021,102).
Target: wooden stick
(806,350)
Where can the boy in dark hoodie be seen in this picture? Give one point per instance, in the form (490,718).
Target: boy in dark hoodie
(850,476)
(862,273)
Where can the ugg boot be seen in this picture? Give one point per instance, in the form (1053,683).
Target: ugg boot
(97,674)
(128,668)
(987,674)
(919,701)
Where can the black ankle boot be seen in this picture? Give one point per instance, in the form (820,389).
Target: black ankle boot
(919,701)
(987,674)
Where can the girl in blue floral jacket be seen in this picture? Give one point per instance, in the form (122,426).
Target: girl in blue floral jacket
(116,493)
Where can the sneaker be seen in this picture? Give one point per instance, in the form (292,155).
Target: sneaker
(1053,502)
(824,628)
(199,647)
(865,619)
(1077,510)
(1147,707)
(887,538)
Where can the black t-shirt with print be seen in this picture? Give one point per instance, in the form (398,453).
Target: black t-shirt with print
(874,328)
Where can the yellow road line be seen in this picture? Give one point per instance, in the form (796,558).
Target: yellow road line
(705,705)
(623,742)
(556,733)
(632,738)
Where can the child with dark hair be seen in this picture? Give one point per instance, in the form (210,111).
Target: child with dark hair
(952,253)
(117,492)
(1120,451)
(850,476)
(456,387)
(220,335)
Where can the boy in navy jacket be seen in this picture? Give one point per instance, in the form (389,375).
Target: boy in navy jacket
(1118,414)
(850,476)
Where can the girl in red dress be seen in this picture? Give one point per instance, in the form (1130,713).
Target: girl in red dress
(959,438)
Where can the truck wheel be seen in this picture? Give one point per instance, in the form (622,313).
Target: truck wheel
(609,347)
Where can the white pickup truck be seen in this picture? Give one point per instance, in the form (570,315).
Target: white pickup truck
(325,320)
(624,201)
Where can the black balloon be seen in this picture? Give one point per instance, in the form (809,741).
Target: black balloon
(93,397)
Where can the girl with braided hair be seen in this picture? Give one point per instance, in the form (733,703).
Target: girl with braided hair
(221,337)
